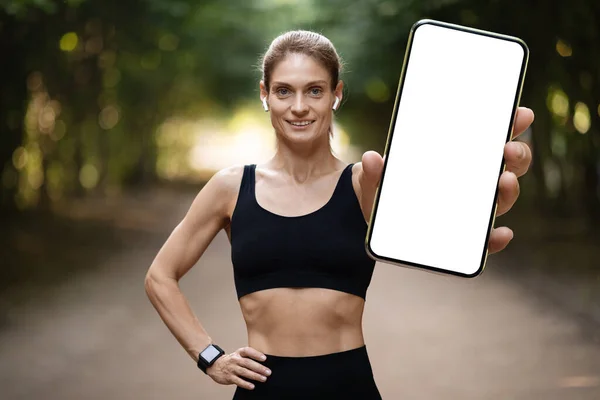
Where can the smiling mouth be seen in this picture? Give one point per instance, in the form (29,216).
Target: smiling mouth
(300,123)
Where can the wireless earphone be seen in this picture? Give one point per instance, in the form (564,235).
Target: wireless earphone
(337,103)
(265,105)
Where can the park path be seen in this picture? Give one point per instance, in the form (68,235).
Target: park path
(96,336)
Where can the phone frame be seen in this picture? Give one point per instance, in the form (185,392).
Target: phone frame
(492,219)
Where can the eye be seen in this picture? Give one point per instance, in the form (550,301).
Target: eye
(316,91)
(282,91)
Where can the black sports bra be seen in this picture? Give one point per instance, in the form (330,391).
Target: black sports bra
(322,249)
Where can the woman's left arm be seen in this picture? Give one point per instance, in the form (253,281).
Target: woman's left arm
(516,154)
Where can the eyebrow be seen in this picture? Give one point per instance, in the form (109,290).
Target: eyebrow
(311,83)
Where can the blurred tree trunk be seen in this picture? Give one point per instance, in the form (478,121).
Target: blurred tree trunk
(591,165)
(541,149)
(590,189)
(13,102)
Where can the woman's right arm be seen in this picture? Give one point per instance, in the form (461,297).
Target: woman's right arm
(208,214)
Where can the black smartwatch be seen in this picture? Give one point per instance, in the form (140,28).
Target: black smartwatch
(208,356)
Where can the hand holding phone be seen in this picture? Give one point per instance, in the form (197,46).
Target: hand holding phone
(454,112)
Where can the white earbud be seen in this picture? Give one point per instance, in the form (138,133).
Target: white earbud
(265,105)
(337,103)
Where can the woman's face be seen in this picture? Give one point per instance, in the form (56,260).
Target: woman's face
(300,99)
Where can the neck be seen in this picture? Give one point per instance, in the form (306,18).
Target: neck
(304,162)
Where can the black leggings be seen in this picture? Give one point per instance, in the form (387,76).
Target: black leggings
(345,375)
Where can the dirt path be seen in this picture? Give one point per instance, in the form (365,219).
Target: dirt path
(96,336)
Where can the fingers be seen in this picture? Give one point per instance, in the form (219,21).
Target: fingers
(249,374)
(236,380)
(518,154)
(499,239)
(508,192)
(523,119)
(251,353)
(246,367)
(255,367)
(368,180)
(236,367)
(518,157)
(372,166)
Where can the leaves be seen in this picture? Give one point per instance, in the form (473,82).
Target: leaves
(119,70)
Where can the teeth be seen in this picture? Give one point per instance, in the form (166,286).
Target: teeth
(304,123)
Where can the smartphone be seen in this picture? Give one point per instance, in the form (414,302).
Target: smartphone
(455,107)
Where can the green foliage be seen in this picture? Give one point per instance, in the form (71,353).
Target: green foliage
(89,81)
(20,8)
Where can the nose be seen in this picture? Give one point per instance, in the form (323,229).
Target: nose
(299,106)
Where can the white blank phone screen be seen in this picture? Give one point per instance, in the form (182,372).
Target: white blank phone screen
(445,155)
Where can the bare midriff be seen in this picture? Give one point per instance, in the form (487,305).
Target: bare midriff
(293,322)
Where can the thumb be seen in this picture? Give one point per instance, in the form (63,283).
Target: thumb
(372,164)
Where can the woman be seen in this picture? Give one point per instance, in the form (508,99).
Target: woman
(297,225)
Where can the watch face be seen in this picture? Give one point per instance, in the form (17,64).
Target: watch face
(209,353)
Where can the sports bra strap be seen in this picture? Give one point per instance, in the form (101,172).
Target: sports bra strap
(344,187)
(248,180)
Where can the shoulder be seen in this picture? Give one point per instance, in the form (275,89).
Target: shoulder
(228,179)
(221,190)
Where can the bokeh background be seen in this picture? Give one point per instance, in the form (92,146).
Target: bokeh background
(114,113)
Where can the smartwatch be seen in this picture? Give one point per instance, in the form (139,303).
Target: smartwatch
(208,356)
